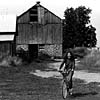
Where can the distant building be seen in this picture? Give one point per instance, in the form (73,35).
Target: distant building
(39,30)
(7,35)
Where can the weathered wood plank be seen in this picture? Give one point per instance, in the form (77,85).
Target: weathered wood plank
(57,36)
(27,34)
(24,18)
(48,29)
(41,15)
(38,34)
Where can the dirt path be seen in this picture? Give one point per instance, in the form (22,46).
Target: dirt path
(86,85)
(18,84)
(83,75)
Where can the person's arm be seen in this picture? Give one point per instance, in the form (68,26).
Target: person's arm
(73,66)
(62,64)
(64,57)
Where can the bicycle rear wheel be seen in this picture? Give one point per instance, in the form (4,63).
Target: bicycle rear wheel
(64,90)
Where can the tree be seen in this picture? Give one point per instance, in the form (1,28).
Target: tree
(77,30)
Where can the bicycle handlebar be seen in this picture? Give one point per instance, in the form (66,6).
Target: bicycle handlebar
(62,71)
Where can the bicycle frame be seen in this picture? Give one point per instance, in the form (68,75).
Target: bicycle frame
(65,85)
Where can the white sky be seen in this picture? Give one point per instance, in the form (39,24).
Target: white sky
(56,6)
(7,23)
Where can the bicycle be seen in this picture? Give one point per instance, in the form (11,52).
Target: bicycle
(65,85)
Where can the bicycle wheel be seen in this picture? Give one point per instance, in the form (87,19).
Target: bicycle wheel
(64,90)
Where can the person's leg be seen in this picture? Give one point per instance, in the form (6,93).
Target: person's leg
(69,82)
(70,86)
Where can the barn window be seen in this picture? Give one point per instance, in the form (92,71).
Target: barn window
(41,46)
(34,14)
(33,19)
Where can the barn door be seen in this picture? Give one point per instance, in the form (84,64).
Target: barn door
(33,51)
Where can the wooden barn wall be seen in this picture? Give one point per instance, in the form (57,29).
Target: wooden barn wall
(51,18)
(48,36)
(52,26)
(39,34)
(48,31)
(24,18)
(27,34)
(5,48)
(41,15)
(53,33)
(30,34)
(45,16)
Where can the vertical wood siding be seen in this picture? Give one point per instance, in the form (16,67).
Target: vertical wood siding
(27,34)
(49,17)
(5,48)
(40,35)
(24,18)
(41,15)
(48,30)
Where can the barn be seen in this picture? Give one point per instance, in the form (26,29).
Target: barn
(39,30)
(7,35)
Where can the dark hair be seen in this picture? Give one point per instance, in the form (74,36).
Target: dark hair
(72,55)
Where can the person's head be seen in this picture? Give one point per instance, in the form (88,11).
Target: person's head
(69,55)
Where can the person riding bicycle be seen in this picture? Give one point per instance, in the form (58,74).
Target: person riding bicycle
(69,61)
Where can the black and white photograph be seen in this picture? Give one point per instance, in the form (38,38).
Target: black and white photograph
(49,50)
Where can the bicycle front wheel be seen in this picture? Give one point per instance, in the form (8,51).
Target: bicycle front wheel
(64,90)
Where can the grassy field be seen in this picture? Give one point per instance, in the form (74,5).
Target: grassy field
(90,62)
(17,84)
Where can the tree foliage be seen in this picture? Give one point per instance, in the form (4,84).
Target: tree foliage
(77,28)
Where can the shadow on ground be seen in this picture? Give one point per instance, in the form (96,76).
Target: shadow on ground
(84,90)
(84,94)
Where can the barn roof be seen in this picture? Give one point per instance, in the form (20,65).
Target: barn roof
(39,6)
(7,37)
(7,23)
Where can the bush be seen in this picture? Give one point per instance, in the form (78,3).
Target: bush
(92,60)
(9,61)
(82,51)
(44,56)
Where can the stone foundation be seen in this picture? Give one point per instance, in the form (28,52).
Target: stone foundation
(52,50)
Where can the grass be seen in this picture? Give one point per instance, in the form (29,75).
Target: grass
(9,61)
(82,51)
(17,84)
(90,62)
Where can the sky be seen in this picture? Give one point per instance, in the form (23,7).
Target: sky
(17,7)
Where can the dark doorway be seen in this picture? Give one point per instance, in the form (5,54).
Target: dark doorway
(33,51)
